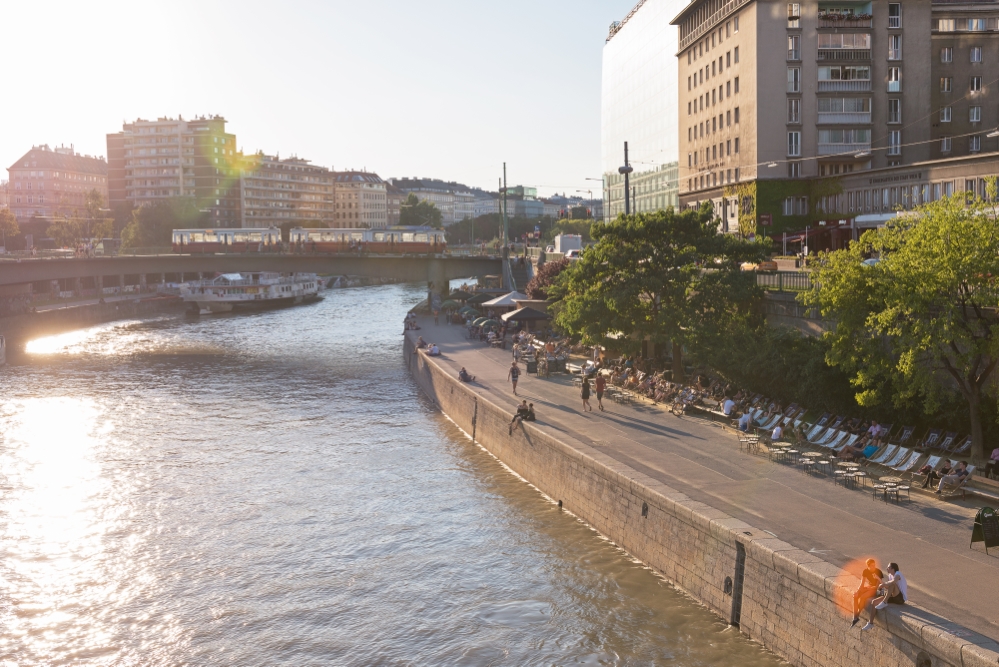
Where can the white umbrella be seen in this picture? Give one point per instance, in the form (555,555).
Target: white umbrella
(506,301)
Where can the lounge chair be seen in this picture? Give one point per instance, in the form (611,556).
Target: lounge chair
(885,454)
(835,442)
(909,463)
(906,434)
(931,439)
(824,419)
(885,432)
(900,456)
(949,438)
(772,422)
(814,433)
(847,443)
(827,437)
(932,462)
(837,423)
(963,447)
(948,490)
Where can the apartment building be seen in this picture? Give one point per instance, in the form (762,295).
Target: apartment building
(771,135)
(47,182)
(360,200)
(455,201)
(274,192)
(393,202)
(152,161)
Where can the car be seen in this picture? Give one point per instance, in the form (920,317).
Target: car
(550,248)
(572,254)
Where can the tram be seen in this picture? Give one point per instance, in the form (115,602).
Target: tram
(388,240)
(200,241)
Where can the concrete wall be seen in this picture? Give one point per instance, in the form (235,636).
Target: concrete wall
(788,600)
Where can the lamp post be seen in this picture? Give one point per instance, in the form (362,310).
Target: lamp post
(625,171)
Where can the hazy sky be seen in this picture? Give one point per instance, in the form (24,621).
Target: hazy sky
(443,88)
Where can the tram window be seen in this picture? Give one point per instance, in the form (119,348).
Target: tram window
(423,238)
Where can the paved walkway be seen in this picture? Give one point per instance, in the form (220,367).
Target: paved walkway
(929,538)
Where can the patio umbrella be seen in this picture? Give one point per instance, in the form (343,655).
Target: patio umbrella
(480,298)
(490,323)
(479,321)
(459,295)
(450,304)
(526,314)
(469,311)
(506,301)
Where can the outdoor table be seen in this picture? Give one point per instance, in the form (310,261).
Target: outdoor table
(792,454)
(861,475)
(777,450)
(813,455)
(891,480)
(824,464)
(850,479)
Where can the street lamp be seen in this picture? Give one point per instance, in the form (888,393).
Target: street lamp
(625,171)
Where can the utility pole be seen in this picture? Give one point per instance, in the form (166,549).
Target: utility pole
(625,170)
(506,229)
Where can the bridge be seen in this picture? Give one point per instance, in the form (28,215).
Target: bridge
(79,275)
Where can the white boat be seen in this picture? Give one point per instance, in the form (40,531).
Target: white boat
(256,290)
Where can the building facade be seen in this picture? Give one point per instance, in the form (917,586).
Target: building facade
(771,135)
(360,200)
(154,161)
(274,192)
(455,201)
(48,182)
(639,106)
(393,203)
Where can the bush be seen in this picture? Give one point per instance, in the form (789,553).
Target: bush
(545,278)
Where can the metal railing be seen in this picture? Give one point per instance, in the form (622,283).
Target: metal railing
(837,149)
(785,281)
(846,86)
(844,54)
(845,23)
(710,22)
(844,118)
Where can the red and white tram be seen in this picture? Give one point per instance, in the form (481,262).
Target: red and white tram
(198,241)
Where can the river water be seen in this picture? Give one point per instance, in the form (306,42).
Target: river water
(272,489)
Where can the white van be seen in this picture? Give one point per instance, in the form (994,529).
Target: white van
(573,254)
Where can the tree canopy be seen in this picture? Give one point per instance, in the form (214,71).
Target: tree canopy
(668,276)
(152,225)
(920,323)
(8,223)
(545,277)
(417,213)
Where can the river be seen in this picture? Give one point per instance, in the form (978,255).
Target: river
(272,489)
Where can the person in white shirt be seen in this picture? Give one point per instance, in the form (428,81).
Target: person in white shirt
(896,591)
(744,422)
(777,434)
(434,350)
(728,406)
(874,431)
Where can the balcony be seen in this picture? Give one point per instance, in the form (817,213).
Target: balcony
(844,54)
(843,149)
(844,86)
(826,22)
(844,118)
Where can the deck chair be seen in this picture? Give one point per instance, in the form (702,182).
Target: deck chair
(963,447)
(771,422)
(931,439)
(792,409)
(900,456)
(814,433)
(885,454)
(824,419)
(906,434)
(835,442)
(885,432)
(847,443)
(948,441)
(837,423)
(948,490)
(827,437)
(909,463)
(933,462)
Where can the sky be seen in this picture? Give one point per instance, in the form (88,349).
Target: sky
(433,88)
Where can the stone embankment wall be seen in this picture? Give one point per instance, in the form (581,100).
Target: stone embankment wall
(790,601)
(19,329)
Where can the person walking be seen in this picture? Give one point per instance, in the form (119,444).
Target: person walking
(513,376)
(600,384)
(584,392)
(437,315)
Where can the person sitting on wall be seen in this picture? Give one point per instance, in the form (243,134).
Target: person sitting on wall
(522,411)
(896,591)
(463,375)
(530,417)
(420,343)
(434,351)
(870,582)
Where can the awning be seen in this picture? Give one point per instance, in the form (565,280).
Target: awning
(527,314)
(869,220)
(505,301)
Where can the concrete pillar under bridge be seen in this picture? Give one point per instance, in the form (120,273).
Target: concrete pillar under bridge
(438,286)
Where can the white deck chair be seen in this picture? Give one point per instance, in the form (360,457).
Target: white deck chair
(814,433)
(898,458)
(834,443)
(885,454)
(797,422)
(771,423)
(849,441)
(827,437)
(909,463)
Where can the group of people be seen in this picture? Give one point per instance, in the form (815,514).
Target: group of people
(525,413)
(431,348)
(877,592)
(949,473)
(409,323)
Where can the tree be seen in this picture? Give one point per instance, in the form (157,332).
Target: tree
(667,276)
(66,232)
(920,323)
(8,223)
(152,225)
(545,277)
(416,213)
(567,226)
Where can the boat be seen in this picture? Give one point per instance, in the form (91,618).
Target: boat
(257,290)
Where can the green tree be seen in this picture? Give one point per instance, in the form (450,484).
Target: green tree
(566,226)
(545,277)
(920,324)
(418,213)
(152,225)
(8,223)
(667,276)
(66,232)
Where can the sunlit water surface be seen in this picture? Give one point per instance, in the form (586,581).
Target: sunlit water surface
(272,489)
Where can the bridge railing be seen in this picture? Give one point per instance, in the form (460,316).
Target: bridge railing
(785,281)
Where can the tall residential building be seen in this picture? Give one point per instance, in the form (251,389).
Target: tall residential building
(393,203)
(151,161)
(638,106)
(829,115)
(360,200)
(455,201)
(276,192)
(47,182)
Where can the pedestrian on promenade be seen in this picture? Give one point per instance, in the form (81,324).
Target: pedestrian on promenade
(513,376)
(584,392)
(896,591)
(600,384)
(437,315)
(870,581)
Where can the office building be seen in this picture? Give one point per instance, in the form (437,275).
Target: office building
(639,106)
(360,200)
(153,161)
(48,182)
(865,95)
(455,201)
(275,192)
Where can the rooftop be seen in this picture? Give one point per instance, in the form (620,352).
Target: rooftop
(61,158)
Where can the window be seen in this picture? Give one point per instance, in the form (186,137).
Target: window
(844,105)
(728,89)
(737,144)
(946,25)
(844,73)
(794,111)
(728,147)
(793,169)
(735,28)
(945,145)
(688,108)
(946,83)
(794,144)
(794,79)
(894,47)
(976,54)
(728,118)
(728,28)
(895,142)
(894,79)
(793,15)
(736,54)
(789,206)
(794,47)
(945,114)
(736,85)
(947,54)
(975,143)
(847,40)
(894,14)
(976,25)
(855,136)
(895,111)
(737,115)
(975,114)
(728,59)
(976,84)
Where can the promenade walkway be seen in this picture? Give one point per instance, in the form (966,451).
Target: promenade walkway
(929,538)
